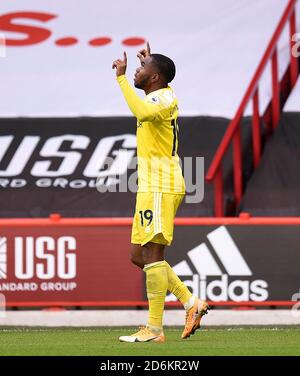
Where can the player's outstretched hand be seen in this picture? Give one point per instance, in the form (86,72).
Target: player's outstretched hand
(142,54)
(120,65)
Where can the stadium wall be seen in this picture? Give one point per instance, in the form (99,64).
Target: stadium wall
(111,318)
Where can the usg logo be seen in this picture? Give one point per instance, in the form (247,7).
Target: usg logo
(44,257)
(65,161)
(3,258)
(69,159)
(205,284)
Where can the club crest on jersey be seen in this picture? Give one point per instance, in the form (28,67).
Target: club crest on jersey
(155,99)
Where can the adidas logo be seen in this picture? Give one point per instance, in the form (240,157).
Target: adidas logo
(3,258)
(228,263)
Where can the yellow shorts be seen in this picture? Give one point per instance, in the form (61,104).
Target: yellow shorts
(154,217)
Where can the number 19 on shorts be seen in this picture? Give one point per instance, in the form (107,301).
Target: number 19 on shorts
(146,217)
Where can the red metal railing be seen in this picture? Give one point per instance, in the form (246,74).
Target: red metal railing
(233,133)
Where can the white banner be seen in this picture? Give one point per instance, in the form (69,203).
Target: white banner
(59,53)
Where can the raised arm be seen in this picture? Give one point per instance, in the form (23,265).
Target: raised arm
(143,111)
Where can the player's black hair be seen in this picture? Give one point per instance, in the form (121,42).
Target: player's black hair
(165,66)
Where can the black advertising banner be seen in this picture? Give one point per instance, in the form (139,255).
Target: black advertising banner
(51,166)
(54,165)
(238,263)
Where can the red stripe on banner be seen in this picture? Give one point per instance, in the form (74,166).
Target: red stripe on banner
(142,303)
(57,220)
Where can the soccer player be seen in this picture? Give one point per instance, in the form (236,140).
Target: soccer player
(161,189)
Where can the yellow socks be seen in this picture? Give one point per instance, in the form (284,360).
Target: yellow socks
(178,288)
(160,277)
(157,286)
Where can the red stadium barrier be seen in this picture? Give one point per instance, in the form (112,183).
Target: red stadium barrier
(58,225)
(143,303)
(57,220)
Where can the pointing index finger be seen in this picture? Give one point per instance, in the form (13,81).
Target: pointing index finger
(148,48)
(125,57)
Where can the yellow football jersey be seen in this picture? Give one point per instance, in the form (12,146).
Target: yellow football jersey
(157,139)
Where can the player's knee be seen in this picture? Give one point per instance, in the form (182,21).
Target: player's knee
(136,261)
(136,258)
